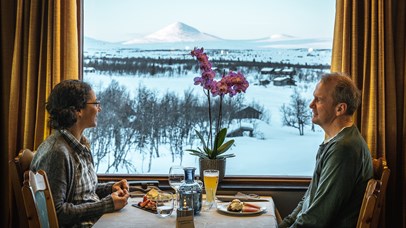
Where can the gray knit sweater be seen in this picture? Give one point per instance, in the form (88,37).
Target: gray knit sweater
(60,161)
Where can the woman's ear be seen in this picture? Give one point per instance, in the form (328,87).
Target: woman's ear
(79,114)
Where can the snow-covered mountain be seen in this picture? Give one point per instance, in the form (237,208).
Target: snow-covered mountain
(182,36)
(176,32)
(91,43)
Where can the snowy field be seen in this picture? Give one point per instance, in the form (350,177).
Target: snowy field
(278,151)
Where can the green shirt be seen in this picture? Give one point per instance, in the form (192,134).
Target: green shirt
(334,197)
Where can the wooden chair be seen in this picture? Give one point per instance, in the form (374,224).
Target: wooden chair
(369,202)
(382,173)
(39,205)
(17,167)
(374,197)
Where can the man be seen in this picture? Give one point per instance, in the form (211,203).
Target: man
(343,161)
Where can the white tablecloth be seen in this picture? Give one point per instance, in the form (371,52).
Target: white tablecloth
(131,216)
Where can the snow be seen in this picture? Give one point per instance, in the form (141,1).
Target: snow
(276,150)
(179,35)
(176,32)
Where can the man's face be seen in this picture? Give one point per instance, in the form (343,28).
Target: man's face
(323,105)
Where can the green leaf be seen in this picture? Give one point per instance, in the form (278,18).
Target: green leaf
(201,138)
(219,139)
(201,155)
(218,149)
(223,148)
(224,156)
(195,151)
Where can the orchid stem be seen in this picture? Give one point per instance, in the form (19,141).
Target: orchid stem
(218,127)
(210,141)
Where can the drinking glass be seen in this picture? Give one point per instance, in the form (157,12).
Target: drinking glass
(210,179)
(164,204)
(175,178)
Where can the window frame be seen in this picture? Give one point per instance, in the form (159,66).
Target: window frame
(263,185)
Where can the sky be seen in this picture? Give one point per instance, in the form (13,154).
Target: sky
(121,20)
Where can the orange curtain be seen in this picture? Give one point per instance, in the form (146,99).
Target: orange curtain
(369,44)
(42,49)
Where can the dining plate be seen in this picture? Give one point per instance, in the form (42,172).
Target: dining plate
(143,208)
(223,208)
(241,198)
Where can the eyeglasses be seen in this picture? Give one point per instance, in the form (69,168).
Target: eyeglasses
(96,103)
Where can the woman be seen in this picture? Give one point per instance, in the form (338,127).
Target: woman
(66,158)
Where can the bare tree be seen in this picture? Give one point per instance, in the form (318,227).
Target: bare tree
(297,114)
(114,136)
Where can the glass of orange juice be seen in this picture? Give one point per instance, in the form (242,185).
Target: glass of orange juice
(210,179)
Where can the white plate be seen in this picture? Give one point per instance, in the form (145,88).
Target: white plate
(223,208)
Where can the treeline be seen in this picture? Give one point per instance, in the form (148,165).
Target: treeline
(140,124)
(178,66)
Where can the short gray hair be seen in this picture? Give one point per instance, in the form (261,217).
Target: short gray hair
(345,90)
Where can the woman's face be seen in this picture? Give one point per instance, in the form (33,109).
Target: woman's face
(88,115)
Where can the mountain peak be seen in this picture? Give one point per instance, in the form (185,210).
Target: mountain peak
(179,26)
(175,32)
(280,36)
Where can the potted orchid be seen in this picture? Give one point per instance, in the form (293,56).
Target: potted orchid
(231,84)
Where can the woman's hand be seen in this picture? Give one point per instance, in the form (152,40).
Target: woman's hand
(121,185)
(120,198)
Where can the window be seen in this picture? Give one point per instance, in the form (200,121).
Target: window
(137,59)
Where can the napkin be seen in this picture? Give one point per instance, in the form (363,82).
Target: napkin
(136,191)
(241,196)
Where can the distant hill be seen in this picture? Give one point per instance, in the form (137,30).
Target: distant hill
(176,32)
(182,36)
(95,43)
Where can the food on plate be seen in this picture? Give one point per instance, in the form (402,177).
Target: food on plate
(237,206)
(152,194)
(148,201)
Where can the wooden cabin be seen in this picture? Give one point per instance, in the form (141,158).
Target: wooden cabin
(247,113)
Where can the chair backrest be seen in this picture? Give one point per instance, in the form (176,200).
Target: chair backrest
(39,205)
(382,173)
(17,167)
(369,202)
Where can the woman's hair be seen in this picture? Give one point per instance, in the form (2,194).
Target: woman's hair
(345,90)
(66,98)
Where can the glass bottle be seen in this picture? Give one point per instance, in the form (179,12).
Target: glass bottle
(190,192)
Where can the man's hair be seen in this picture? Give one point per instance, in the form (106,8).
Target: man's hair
(65,99)
(345,90)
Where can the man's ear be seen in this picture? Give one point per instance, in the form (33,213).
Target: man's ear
(341,108)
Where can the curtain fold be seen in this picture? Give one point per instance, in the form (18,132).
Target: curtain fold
(44,52)
(369,44)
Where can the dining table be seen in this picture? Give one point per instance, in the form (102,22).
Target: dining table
(131,216)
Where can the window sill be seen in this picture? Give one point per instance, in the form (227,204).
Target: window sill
(231,184)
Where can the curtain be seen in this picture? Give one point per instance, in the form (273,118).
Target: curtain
(42,38)
(369,44)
